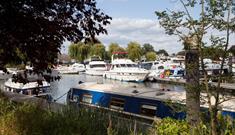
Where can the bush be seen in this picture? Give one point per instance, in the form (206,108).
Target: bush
(169,126)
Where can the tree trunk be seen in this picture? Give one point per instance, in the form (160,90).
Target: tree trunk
(192,87)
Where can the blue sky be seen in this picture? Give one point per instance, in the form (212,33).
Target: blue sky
(135,20)
(134,8)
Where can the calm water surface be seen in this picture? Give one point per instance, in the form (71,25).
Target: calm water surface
(60,88)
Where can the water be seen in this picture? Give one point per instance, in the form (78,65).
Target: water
(61,87)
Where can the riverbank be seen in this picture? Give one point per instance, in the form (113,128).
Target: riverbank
(20,114)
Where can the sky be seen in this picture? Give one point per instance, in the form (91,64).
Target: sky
(135,20)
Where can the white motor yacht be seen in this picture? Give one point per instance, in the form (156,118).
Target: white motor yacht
(166,69)
(126,70)
(72,69)
(33,88)
(96,68)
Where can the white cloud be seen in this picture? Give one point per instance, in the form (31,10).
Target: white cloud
(124,30)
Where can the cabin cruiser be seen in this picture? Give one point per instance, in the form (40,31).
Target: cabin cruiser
(166,70)
(72,69)
(35,86)
(126,70)
(96,68)
(213,68)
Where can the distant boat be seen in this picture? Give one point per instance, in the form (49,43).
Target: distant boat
(125,70)
(72,69)
(34,88)
(96,68)
(167,69)
(136,101)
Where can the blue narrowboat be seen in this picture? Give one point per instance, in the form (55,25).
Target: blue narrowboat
(139,101)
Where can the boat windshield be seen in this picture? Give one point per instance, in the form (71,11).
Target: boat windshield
(131,65)
(97,66)
(126,65)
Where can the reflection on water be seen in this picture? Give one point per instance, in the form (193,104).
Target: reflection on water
(59,88)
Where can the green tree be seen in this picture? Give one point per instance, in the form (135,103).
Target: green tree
(232,50)
(114,47)
(79,51)
(191,31)
(147,48)
(150,56)
(39,27)
(98,50)
(134,51)
(162,51)
(73,51)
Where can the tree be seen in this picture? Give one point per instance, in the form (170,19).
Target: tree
(147,48)
(79,51)
(98,50)
(37,28)
(232,50)
(134,51)
(150,56)
(162,51)
(114,47)
(191,31)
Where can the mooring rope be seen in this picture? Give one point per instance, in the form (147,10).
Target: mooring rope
(60,97)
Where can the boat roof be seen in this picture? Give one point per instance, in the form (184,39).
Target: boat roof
(96,62)
(123,61)
(147,93)
(29,85)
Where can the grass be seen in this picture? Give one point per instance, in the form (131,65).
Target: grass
(28,119)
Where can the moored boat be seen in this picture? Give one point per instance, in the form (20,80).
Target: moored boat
(126,70)
(96,68)
(33,88)
(138,101)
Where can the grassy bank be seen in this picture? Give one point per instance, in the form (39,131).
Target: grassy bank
(27,119)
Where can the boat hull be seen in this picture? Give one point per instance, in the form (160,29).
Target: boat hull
(95,72)
(126,76)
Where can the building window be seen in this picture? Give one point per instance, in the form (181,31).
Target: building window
(148,110)
(117,104)
(87,98)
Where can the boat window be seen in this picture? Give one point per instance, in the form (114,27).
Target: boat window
(148,110)
(161,67)
(87,98)
(129,65)
(98,65)
(123,65)
(117,104)
(181,72)
(117,66)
